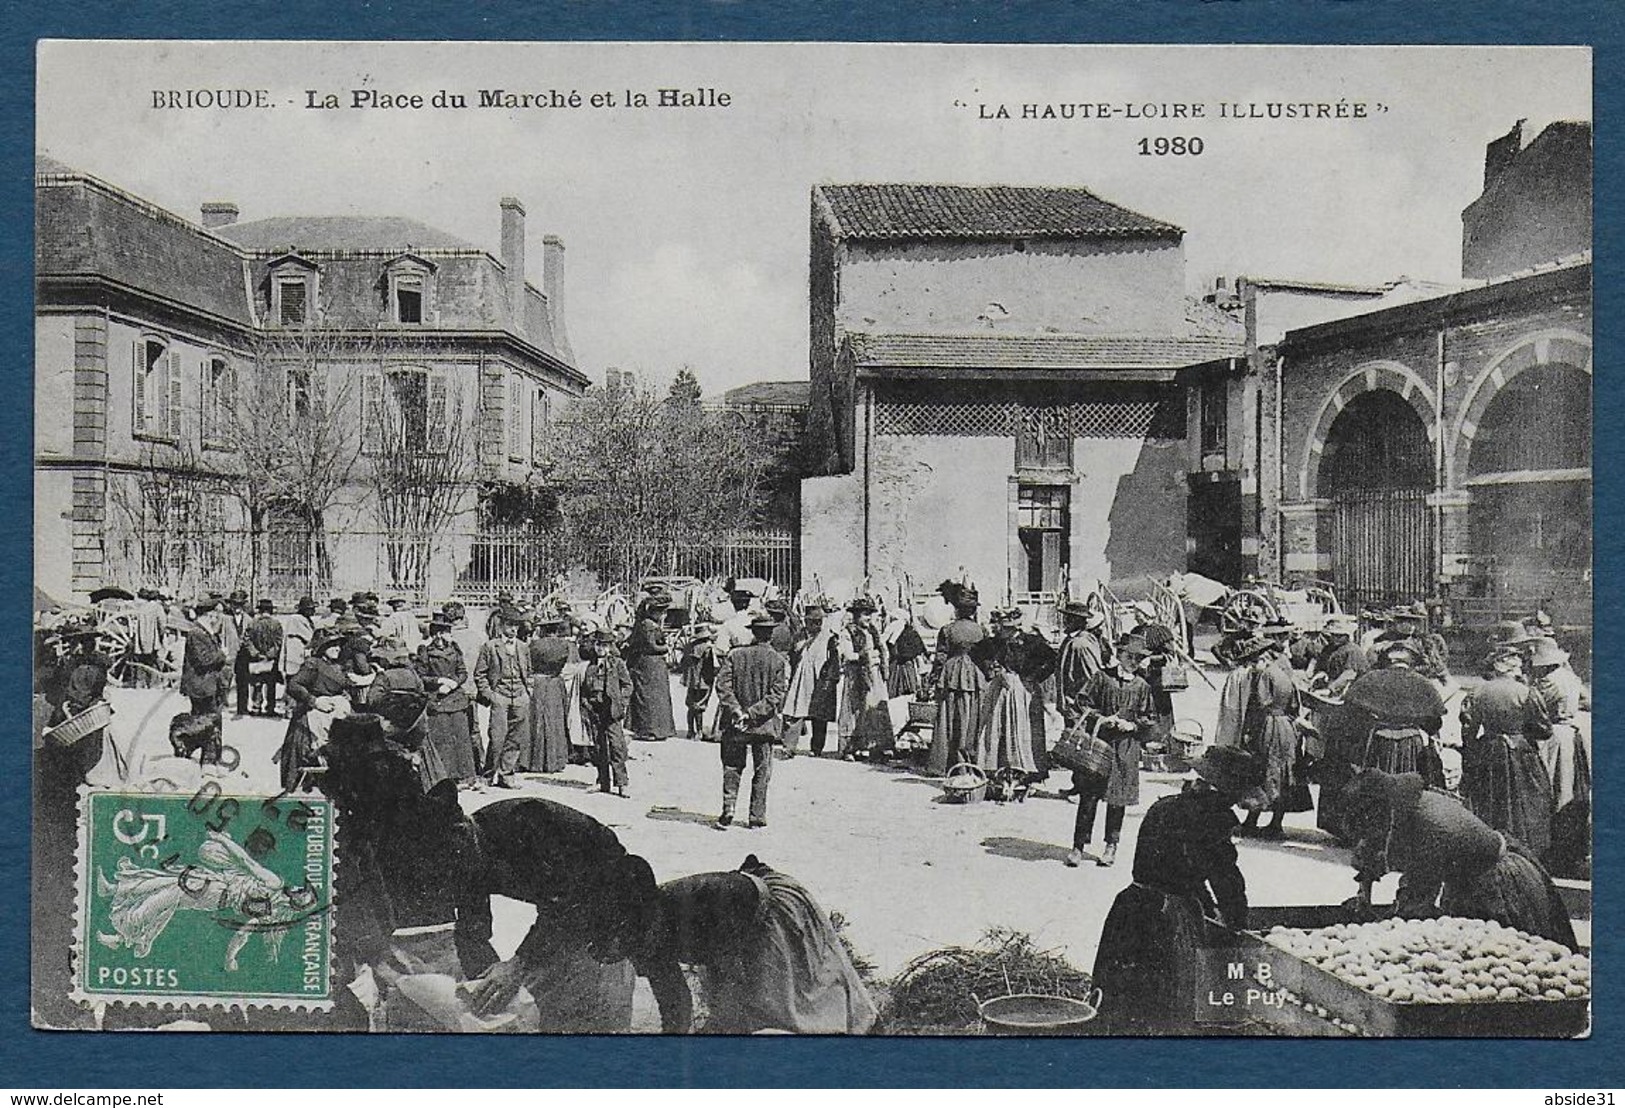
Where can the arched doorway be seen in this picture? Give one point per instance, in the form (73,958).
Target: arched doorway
(1377,469)
(1530,476)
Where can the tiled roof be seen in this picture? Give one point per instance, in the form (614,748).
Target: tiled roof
(1046,352)
(899,211)
(339,232)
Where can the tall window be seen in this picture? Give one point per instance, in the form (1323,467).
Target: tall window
(539,417)
(518,441)
(216,402)
(1044,523)
(1215,415)
(300,396)
(406,409)
(155,389)
(1042,442)
(409,296)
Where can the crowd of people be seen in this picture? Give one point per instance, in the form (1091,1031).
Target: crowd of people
(382,711)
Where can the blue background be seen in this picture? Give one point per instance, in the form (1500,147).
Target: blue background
(45,1061)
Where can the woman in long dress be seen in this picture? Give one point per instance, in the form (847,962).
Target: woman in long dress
(958,681)
(1004,737)
(1503,780)
(319,694)
(1271,736)
(444,670)
(548,748)
(865,721)
(650,717)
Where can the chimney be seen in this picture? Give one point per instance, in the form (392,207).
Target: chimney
(553,286)
(513,260)
(1499,154)
(218,213)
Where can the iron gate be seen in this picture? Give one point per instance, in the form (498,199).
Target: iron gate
(1382,546)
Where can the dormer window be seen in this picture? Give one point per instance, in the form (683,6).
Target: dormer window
(409,282)
(293,291)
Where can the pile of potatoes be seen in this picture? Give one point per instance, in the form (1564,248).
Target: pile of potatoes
(1449,960)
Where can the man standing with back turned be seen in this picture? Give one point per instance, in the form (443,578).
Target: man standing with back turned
(751,683)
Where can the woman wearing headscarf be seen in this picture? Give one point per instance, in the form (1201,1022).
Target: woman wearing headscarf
(444,670)
(1503,780)
(1148,966)
(957,680)
(1450,862)
(646,649)
(548,748)
(766,953)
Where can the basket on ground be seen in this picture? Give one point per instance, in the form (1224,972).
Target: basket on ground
(922,711)
(1186,742)
(1038,1014)
(965,784)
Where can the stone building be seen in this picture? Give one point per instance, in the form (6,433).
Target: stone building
(994,389)
(171,356)
(1442,447)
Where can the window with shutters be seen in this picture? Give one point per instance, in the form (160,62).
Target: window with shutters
(155,389)
(301,398)
(408,297)
(539,417)
(290,300)
(217,399)
(408,410)
(518,441)
(1042,441)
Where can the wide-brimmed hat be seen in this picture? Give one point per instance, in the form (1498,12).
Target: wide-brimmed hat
(1400,650)
(1006,615)
(1546,652)
(306,606)
(703,633)
(205,604)
(440,621)
(1510,632)
(861,605)
(1251,647)
(1228,769)
(1341,624)
(764,623)
(397,602)
(265,606)
(238,596)
(546,618)
(337,604)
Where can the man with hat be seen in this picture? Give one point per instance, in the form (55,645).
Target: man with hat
(298,631)
(230,619)
(205,669)
(1503,780)
(650,715)
(504,602)
(1084,653)
(336,608)
(262,643)
(606,690)
(735,630)
(815,685)
(1117,709)
(751,685)
(1342,659)
(1149,962)
(502,682)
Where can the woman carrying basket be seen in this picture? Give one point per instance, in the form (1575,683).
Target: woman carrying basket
(1119,711)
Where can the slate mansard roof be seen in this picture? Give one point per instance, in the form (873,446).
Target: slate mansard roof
(339,233)
(901,212)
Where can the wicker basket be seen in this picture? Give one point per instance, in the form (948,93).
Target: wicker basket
(74,728)
(922,711)
(1038,1014)
(1082,750)
(1186,742)
(966,792)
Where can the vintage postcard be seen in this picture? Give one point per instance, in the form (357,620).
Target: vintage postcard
(813,538)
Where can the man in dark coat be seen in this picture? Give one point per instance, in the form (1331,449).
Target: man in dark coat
(502,681)
(262,642)
(231,624)
(205,678)
(751,685)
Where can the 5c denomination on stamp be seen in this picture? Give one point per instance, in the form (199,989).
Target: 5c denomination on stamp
(204,900)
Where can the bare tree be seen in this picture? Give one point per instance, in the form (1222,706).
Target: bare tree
(422,465)
(164,528)
(289,419)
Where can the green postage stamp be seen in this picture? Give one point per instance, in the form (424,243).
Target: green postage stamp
(204,900)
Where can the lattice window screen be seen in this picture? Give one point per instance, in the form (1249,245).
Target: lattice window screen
(1161,418)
